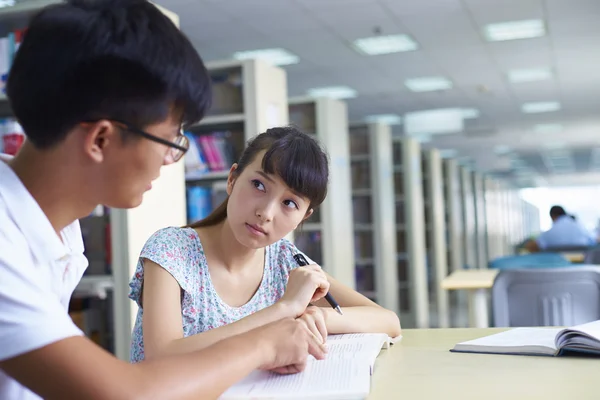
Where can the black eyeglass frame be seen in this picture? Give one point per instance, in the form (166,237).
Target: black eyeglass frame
(153,138)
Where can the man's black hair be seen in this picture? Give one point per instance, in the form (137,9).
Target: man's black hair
(115,59)
(557,211)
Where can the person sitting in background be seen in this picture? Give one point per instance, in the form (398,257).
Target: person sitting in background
(565,232)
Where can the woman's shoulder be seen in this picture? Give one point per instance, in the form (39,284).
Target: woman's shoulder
(173,234)
(172,239)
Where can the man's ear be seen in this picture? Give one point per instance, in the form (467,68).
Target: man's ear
(97,137)
(231,178)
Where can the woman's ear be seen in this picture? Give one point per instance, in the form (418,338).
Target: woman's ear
(231,178)
(308,214)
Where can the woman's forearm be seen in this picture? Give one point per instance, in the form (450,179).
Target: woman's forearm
(362,320)
(206,339)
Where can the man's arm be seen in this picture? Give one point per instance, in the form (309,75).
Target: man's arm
(75,368)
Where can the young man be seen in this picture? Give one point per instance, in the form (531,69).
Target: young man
(101,89)
(565,232)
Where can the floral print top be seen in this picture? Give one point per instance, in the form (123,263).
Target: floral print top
(179,252)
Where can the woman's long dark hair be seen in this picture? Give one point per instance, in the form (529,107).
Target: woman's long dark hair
(297,158)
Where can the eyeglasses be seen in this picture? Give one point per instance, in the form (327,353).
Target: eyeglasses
(178,147)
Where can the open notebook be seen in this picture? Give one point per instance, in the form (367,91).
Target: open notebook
(538,341)
(344,374)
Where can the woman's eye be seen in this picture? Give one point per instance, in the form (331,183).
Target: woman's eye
(258,184)
(290,204)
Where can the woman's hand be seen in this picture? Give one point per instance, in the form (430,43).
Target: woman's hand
(305,285)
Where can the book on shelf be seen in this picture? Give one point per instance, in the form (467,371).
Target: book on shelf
(209,152)
(344,374)
(201,200)
(540,341)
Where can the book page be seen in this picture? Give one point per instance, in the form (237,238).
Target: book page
(357,346)
(333,378)
(570,335)
(517,340)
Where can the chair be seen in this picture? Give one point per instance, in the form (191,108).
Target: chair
(546,297)
(533,260)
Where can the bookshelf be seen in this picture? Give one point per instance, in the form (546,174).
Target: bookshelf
(328,235)
(495,246)
(455,238)
(480,220)
(410,236)
(468,214)
(435,222)
(249,97)
(371,165)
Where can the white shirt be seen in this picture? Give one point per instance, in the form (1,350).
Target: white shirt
(38,273)
(565,232)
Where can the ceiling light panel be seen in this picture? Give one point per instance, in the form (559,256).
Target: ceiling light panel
(390,119)
(540,107)
(529,75)
(513,30)
(428,84)
(470,113)
(276,56)
(377,45)
(334,92)
(548,128)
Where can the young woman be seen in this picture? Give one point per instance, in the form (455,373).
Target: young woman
(234,271)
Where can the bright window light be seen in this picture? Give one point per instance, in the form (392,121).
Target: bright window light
(7,3)
(428,84)
(548,128)
(513,30)
(273,56)
(470,113)
(376,45)
(390,119)
(334,92)
(529,75)
(540,107)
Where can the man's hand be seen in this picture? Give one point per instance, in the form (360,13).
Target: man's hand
(314,318)
(288,342)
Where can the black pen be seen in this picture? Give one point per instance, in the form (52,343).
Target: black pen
(302,262)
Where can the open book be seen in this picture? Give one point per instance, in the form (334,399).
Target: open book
(344,374)
(538,341)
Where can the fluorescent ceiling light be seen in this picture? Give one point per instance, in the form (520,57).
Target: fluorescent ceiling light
(334,92)
(512,30)
(502,149)
(540,107)
(434,122)
(470,113)
(273,56)
(428,84)
(390,119)
(529,75)
(376,45)
(548,128)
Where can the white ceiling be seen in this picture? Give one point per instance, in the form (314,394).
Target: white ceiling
(450,44)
